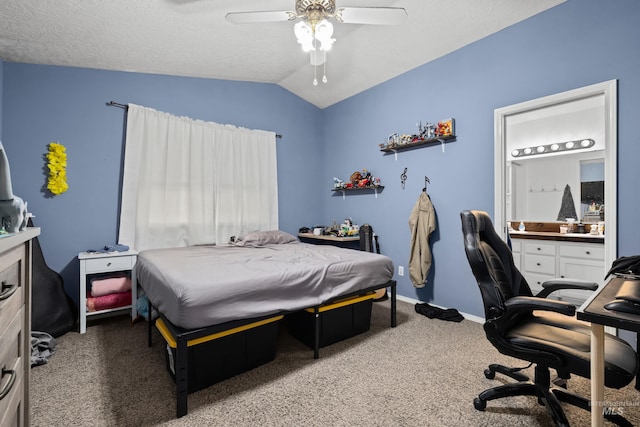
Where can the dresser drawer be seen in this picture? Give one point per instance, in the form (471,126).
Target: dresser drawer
(541,264)
(540,248)
(11,364)
(593,251)
(11,289)
(100,265)
(12,415)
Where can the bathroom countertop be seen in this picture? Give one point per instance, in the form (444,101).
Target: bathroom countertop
(563,237)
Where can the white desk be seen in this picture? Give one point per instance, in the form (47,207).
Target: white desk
(593,311)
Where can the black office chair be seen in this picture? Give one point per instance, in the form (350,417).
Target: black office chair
(368,239)
(369,243)
(535,329)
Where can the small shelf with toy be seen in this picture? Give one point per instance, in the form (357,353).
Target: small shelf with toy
(373,187)
(429,134)
(417,143)
(358,181)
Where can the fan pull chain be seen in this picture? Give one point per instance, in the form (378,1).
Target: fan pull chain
(315,62)
(324,69)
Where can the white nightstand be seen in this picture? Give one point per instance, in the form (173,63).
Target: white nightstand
(98,263)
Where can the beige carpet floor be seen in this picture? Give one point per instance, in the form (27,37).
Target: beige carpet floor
(424,372)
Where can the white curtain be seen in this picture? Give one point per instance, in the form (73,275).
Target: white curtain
(189,182)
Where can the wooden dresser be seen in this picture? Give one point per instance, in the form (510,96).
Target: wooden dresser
(15,327)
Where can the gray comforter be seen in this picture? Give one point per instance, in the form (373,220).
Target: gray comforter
(201,286)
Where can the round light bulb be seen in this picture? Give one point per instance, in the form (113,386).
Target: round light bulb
(515,153)
(569,144)
(554,147)
(585,143)
(324,33)
(540,149)
(527,150)
(304,34)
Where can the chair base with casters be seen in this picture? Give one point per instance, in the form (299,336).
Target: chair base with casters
(549,393)
(536,329)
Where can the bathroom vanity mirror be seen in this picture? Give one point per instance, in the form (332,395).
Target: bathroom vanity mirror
(555,157)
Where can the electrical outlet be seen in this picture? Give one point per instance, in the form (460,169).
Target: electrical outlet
(400,270)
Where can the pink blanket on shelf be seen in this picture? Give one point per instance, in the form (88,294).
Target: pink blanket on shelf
(105,302)
(111,285)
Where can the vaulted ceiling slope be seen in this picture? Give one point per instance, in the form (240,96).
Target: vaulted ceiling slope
(192,38)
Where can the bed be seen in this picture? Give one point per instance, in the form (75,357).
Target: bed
(203,290)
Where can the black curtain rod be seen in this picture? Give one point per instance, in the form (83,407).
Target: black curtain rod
(126,107)
(115,104)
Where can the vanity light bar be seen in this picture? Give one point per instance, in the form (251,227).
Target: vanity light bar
(579,144)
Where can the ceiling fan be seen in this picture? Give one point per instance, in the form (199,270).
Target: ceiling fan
(315,11)
(313,26)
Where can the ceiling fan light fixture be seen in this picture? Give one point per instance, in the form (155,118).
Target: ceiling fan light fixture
(304,35)
(324,34)
(314,32)
(307,33)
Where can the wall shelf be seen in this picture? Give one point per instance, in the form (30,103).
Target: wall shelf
(355,189)
(418,144)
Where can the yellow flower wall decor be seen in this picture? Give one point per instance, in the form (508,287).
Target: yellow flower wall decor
(57,163)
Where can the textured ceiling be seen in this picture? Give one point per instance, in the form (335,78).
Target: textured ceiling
(192,38)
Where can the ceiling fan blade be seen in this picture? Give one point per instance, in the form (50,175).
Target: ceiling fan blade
(255,17)
(371,15)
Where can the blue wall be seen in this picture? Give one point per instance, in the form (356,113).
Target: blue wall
(1,97)
(68,105)
(569,46)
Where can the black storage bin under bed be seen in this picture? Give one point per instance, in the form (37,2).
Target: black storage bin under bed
(338,321)
(219,356)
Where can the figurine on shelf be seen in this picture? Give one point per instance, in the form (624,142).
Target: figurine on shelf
(355,177)
(429,131)
(392,140)
(337,182)
(445,128)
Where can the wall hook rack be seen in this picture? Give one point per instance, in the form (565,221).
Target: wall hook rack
(426,181)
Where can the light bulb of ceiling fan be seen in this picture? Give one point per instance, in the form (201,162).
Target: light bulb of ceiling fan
(324,34)
(304,35)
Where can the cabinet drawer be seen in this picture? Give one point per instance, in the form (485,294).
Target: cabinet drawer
(10,359)
(108,264)
(582,269)
(12,412)
(516,245)
(535,281)
(540,248)
(593,251)
(11,293)
(540,264)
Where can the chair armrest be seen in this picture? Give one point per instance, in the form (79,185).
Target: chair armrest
(536,303)
(557,284)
